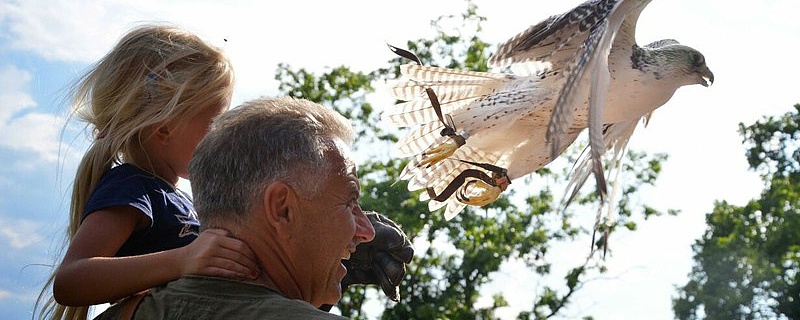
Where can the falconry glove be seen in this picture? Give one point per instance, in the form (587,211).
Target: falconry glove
(381,261)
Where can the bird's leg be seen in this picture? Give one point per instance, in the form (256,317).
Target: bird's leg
(438,153)
(486,192)
(442,151)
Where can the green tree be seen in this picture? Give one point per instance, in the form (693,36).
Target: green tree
(445,283)
(746,263)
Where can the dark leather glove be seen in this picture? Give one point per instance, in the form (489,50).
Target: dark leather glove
(381,261)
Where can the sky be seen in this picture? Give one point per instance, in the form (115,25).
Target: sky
(44,45)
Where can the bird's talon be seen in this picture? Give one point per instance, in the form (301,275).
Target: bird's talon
(484,194)
(438,153)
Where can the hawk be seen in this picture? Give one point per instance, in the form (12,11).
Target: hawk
(472,133)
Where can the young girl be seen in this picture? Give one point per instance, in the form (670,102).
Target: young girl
(149,102)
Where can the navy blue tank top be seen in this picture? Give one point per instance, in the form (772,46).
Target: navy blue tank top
(173,221)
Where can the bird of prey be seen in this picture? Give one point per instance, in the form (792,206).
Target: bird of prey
(472,133)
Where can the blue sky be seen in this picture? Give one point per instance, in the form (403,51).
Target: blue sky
(44,45)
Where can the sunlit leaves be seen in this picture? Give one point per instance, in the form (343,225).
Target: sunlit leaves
(746,263)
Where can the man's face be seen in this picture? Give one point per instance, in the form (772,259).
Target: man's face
(331,225)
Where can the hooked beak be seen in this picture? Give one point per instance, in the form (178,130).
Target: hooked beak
(707,77)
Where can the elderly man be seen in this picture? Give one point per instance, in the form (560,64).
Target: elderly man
(278,174)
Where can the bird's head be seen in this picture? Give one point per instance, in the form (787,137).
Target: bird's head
(689,63)
(704,75)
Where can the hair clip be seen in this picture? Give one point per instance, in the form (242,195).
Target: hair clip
(150,82)
(152,78)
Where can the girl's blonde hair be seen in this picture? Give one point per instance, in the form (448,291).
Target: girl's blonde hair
(155,74)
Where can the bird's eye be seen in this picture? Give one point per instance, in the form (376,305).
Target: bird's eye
(698,59)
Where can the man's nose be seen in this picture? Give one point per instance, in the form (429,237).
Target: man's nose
(365,232)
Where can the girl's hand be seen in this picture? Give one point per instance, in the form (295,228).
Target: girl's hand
(216,254)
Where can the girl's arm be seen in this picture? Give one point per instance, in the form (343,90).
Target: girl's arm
(90,274)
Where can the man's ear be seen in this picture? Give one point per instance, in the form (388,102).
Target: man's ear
(277,200)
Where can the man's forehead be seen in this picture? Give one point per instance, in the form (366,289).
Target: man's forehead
(350,169)
(342,158)
(344,178)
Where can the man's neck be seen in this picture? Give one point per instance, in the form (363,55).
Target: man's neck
(275,269)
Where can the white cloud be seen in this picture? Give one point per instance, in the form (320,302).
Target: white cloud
(4,294)
(36,132)
(259,34)
(73,31)
(21,129)
(13,92)
(19,233)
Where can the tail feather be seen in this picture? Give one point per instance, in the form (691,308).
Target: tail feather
(437,74)
(413,168)
(452,204)
(410,89)
(433,205)
(619,145)
(418,140)
(415,112)
(455,90)
(439,176)
(454,207)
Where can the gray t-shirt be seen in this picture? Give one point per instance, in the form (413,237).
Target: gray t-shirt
(195,297)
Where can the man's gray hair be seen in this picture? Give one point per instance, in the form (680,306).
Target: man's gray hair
(259,142)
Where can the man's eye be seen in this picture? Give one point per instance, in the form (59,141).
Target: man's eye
(354,205)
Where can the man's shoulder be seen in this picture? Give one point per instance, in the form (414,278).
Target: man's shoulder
(215,298)
(296,309)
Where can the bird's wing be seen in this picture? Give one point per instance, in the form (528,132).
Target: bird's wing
(577,42)
(616,32)
(615,138)
(554,39)
(625,37)
(595,58)
(662,43)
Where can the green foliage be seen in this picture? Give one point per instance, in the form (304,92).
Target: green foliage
(773,144)
(746,263)
(454,259)
(344,90)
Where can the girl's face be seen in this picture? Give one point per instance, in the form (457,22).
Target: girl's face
(182,141)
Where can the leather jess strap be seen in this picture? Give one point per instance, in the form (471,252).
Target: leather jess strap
(449,128)
(457,182)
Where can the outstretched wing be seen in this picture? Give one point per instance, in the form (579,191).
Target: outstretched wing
(554,39)
(577,43)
